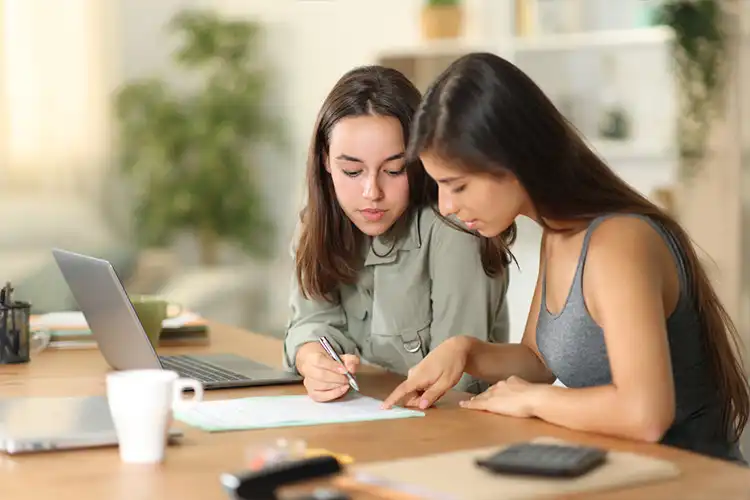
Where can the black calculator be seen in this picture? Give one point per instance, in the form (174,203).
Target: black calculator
(539,459)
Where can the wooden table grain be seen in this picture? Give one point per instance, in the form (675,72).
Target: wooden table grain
(192,467)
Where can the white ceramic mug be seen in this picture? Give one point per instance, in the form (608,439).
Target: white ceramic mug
(141,403)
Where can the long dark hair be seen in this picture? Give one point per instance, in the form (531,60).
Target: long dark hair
(483,114)
(330,251)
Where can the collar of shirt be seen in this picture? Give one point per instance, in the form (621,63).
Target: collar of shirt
(383,250)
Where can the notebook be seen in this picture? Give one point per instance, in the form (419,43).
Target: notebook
(285,411)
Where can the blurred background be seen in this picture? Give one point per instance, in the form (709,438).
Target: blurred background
(170,136)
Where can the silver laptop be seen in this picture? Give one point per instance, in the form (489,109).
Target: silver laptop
(118,332)
(29,424)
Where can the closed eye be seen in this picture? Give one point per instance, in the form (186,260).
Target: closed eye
(458,189)
(396,172)
(351,173)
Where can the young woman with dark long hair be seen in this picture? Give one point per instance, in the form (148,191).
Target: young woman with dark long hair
(377,270)
(623,313)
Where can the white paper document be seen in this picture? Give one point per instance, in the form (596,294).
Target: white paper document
(285,411)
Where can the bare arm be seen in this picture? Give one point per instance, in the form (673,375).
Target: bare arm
(494,362)
(626,279)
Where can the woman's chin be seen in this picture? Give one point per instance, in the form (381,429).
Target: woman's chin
(490,232)
(374,228)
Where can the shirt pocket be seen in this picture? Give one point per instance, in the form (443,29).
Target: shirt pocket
(357,315)
(400,332)
(354,304)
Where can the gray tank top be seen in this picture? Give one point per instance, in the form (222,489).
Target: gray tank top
(573,347)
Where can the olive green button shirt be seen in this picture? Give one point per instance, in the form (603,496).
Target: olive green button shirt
(430,287)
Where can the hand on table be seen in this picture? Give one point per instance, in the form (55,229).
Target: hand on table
(508,397)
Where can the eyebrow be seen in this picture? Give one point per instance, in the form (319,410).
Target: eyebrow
(449,180)
(346,157)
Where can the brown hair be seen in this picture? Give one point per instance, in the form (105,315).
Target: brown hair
(485,115)
(330,247)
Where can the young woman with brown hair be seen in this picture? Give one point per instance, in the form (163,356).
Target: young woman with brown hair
(623,313)
(377,271)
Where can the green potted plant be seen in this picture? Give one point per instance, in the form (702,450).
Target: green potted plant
(191,155)
(442,19)
(700,65)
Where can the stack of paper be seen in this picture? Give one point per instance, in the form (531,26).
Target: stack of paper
(70,329)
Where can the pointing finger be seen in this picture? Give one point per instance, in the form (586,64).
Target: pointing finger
(398,394)
(431,395)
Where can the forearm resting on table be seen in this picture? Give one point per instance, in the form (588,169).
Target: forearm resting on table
(602,410)
(494,362)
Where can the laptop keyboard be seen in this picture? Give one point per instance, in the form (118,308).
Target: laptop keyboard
(190,367)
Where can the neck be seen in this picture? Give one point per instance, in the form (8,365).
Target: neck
(554,224)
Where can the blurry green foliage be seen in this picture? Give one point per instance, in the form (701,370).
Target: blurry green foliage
(700,56)
(191,154)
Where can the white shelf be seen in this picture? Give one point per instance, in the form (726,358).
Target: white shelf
(657,35)
(569,68)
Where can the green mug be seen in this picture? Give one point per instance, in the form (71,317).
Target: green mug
(152,311)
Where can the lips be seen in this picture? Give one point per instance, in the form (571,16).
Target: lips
(372,214)
(471,224)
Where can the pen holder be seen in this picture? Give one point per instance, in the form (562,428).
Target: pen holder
(15,334)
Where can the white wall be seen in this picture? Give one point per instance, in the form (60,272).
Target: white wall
(142,48)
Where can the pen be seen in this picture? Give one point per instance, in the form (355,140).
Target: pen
(332,352)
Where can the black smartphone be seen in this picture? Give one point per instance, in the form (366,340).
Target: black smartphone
(548,460)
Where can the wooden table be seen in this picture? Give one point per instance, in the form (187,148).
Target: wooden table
(192,468)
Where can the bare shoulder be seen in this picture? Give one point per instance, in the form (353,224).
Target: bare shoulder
(626,235)
(627,243)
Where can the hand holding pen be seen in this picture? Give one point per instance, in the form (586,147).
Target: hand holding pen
(324,377)
(334,355)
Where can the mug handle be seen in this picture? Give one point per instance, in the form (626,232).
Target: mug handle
(186,383)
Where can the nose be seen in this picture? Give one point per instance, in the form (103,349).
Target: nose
(445,204)
(372,190)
